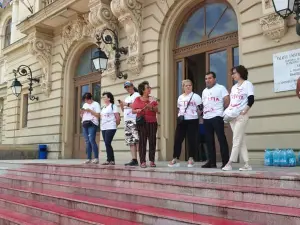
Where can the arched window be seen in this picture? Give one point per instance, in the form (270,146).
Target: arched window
(209,21)
(85,64)
(7,34)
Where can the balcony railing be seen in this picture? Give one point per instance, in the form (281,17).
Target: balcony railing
(48,2)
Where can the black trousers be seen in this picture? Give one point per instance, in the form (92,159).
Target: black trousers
(212,126)
(189,129)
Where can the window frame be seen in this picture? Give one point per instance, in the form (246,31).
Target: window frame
(7,33)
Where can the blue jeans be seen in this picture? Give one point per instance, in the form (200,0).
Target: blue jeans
(89,134)
(108,136)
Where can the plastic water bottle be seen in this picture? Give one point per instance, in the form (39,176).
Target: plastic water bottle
(268,157)
(276,157)
(291,158)
(283,158)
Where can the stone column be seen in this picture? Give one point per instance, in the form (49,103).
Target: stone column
(14,20)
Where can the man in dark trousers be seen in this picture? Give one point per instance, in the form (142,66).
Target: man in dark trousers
(215,99)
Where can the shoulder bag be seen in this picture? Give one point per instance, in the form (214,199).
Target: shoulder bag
(180,119)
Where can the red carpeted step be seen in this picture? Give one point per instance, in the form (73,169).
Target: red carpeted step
(9,216)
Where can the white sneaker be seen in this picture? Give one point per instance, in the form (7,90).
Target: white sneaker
(174,163)
(95,161)
(246,168)
(191,162)
(87,161)
(227,168)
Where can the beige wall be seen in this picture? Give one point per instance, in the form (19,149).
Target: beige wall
(274,117)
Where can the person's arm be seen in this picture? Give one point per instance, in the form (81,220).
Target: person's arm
(226,100)
(250,91)
(198,101)
(122,105)
(298,88)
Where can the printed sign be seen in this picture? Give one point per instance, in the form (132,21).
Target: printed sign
(286,67)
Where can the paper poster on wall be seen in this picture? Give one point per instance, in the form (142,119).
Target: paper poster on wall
(286,67)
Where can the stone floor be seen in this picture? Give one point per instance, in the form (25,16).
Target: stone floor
(160,166)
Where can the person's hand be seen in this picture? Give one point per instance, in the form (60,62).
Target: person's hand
(243,112)
(138,110)
(88,110)
(121,103)
(149,106)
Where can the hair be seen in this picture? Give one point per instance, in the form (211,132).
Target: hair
(110,96)
(135,89)
(141,87)
(242,71)
(184,82)
(212,73)
(87,96)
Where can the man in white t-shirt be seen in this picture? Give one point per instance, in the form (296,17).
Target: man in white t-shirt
(215,99)
(131,133)
(90,114)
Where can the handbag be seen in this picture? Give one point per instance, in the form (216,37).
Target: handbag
(180,119)
(87,123)
(140,120)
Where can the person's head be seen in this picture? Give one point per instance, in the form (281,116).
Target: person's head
(108,98)
(128,85)
(144,88)
(239,73)
(87,98)
(187,86)
(210,79)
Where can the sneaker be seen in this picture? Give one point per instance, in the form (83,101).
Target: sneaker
(95,161)
(191,162)
(246,168)
(174,163)
(133,162)
(152,164)
(209,165)
(143,165)
(227,168)
(105,163)
(112,163)
(87,161)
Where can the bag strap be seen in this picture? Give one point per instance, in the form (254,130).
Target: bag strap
(188,103)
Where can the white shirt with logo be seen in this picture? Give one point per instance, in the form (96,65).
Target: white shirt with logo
(128,115)
(239,98)
(213,101)
(87,116)
(108,119)
(192,110)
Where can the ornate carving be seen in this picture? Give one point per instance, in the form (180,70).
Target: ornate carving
(268,4)
(101,17)
(76,30)
(129,14)
(42,50)
(273,26)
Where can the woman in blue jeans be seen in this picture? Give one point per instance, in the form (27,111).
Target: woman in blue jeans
(110,119)
(90,114)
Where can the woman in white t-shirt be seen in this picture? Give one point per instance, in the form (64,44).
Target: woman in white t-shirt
(241,100)
(188,105)
(110,119)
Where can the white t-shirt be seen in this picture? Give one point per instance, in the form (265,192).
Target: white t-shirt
(108,119)
(191,112)
(213,101)
(128,115)
(95,106)
(239,98)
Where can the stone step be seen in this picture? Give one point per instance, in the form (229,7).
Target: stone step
(61,180)
(11,217)
(253,179)
(171,204)
(52,212)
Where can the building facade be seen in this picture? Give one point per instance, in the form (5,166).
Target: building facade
(168,41)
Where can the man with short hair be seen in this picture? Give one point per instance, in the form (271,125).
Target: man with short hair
(215,99)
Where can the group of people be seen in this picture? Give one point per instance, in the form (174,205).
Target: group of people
(140,118)
(216,107)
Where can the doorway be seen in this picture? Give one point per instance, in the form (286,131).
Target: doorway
(85,80)
(207,41)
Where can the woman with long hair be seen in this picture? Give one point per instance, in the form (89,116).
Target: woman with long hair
(188,105)
(146,108)
(241,100)
(110,118)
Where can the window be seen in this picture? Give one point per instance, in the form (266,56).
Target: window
(85,64)
(7,35)
(210,21)
(24,110)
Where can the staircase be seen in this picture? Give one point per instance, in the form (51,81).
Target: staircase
(90,194)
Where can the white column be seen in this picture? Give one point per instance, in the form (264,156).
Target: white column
(15,20)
